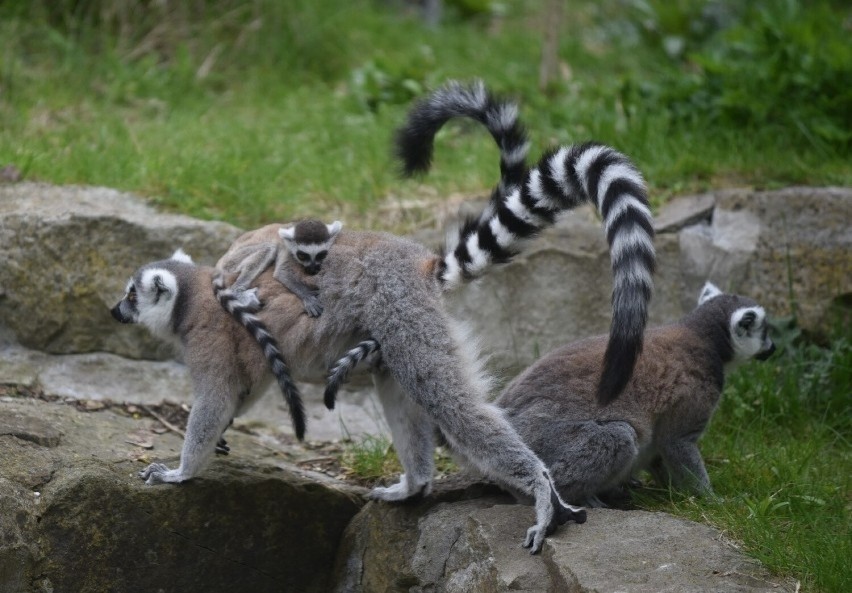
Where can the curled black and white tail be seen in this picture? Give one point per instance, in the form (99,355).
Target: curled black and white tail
(415,140)
(338,373)
(563,179)
(245,314)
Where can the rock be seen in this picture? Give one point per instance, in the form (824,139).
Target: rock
(473,546)
(684,211)
(75,517)
(106,377)
(791,250)
(68,252)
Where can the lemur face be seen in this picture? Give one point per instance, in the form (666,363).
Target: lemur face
(311,257)
(150,296)
(309,241)
(750,334)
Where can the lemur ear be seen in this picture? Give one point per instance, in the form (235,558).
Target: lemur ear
(334,228)
(709,291)
(179,255)
(748,319)
(287,233)
(162,288)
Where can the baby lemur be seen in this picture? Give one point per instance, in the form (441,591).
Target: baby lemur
(376,285)
(665,408)
(307,243)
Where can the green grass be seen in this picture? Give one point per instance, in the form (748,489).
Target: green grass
(252,111)
(779,458)
(371,460)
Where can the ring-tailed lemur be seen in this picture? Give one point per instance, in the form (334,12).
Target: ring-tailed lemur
(662,413)
(307,243)
(390,289)
(169,297)
(528,200)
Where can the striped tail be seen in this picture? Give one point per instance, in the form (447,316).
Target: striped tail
(338,373)
(415,140)
(246,316)
(563,179)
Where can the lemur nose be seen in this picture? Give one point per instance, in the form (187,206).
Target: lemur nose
(117,315)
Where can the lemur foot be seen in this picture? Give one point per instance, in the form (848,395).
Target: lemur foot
(248,298)
(222,447)
(157,473)
(312,306)
(562,513)
(400,491)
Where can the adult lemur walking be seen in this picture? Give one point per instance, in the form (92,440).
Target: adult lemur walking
(379,286)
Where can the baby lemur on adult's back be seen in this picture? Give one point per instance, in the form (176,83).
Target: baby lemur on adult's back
(299,256)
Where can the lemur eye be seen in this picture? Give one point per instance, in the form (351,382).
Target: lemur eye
(321,255)
(302,256)
(131,295)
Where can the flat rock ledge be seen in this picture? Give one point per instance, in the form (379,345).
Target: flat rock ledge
(473,545)
(74,516)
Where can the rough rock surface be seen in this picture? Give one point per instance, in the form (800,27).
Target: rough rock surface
(453,544)
(67,253)
(791,250)
(75,517)
(101,376)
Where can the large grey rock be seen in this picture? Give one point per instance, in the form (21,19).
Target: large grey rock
(67,253)
(791,250)
(101,376)
(75,517)
(473,546)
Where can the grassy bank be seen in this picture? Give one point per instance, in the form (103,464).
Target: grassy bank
(251,111)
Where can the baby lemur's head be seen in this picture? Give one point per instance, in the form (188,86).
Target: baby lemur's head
(309,241)
(745,324)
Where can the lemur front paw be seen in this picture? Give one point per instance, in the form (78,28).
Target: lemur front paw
(312,306)
(157,473)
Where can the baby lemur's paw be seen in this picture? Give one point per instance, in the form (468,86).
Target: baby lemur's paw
(248,299)
(312,306)
(157,473)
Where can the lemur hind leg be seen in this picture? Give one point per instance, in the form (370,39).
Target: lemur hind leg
(413,439)
(585,458)
(491,445)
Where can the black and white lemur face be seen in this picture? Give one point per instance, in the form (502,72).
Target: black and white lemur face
(308,242)
(747,325)
(151,296)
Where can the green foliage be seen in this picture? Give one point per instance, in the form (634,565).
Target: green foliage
(778,64)
(256,110)
(372,459)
